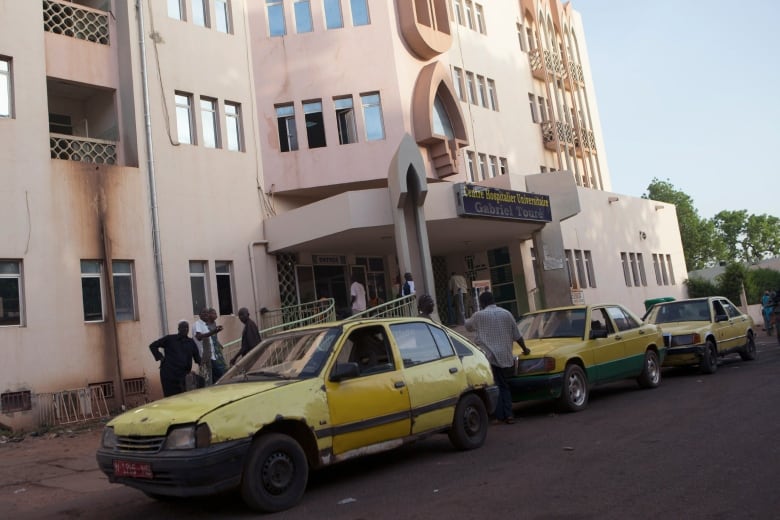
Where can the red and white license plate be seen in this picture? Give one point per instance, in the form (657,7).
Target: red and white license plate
(123,468)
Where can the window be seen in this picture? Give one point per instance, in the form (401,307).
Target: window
(224,272)
(208,116)
(664,275)
(198,286)
(492,94)
(6,99)
(315,127)
(333,18)
(543,169)
(275,18)
(589,269)
(457,78)
(415,343)
(532,103)
(222,14)
(480,19)
(176,9)
(60,124)
(11,308)
(368,348)
(504,169)
(235,140)
(359,10)
(634,269)
(469,9)
(626,268)
(200,13)
(470,88)
(184,126)
(671,273)
(569,267)
(470,165)
(482,166)
(285,119)
(92,289)
(372,114)
(657,268)
(641,266)
(493,166)
(124,290)
(622,320)
(458,11)
(303,22)
(521,37)
(531,40)
(16,401)
(542,109)
(345,120)
(482,91)
(442,125)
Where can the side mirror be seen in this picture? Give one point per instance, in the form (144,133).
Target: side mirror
(721,317)
(598,333)
(344,371)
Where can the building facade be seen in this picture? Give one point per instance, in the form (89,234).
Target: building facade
(227,153)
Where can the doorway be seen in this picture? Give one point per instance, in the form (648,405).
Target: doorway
(331,282)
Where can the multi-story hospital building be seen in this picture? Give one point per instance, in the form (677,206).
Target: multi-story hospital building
(162,156)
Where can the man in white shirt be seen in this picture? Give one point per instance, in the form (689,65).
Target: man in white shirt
(358,293)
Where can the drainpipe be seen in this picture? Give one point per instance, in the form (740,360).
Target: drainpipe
(150,171)
(252,271)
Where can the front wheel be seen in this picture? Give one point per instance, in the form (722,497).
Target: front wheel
(470,424)
(748,352)
(574,396)
(709,359)
(651,373)
(275,474)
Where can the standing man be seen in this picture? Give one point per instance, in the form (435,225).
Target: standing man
(218,365)
(201,335)
(176,363)
(408,287)
(496,330)
(767,304)
(250,337)
(358,293)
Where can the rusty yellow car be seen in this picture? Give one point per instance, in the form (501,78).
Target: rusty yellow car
(301,400)
(699,331)
(575,348)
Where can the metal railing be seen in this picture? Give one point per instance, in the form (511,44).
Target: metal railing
(72,406)
(76,21)
(404,307)
(82,149)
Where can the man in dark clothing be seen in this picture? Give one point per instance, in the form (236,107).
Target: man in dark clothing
(176,363)
(251,335)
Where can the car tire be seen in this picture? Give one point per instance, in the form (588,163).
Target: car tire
(275,474)
(574,394)
(748,352)
(470,424)
(651,372)
(709,359)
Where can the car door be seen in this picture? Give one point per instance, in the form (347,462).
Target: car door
(738,324)
(631,332)
(607,352)
(374,406)
(432,371)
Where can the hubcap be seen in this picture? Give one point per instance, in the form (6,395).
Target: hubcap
(277,473)
(471,421)
(652,369)
(576,390)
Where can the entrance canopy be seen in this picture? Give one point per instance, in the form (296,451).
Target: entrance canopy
(362,221)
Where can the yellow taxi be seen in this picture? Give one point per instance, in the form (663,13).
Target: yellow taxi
(302,400)
(574,348)
(698,331)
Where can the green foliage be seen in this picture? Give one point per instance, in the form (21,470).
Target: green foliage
(758,281)
(731,281)
(699,287)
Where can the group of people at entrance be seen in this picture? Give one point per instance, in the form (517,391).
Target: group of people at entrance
(180,350)
(770,308)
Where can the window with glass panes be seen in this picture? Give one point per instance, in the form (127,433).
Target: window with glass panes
(11,308)
(224,273)
(198,285)
(124,290)
(502,283)
(92,289)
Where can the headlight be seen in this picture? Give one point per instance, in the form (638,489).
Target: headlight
(109,438)
(527,366)
(685,339)
(188,437)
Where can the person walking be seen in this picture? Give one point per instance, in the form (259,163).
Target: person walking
(496,331)
(767,306)
(201,335)
(358,293)
(176,361)
(250,337)
(218,365)
(408,286)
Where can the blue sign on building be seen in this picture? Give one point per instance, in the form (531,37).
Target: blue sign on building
(480,201)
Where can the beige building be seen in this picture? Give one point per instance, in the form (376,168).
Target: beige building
(159,157)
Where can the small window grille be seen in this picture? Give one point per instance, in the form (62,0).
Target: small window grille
(107,386)
(135,386)
(16,401)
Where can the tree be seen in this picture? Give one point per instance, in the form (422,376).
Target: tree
(732,281)
(747,238)
(695,233)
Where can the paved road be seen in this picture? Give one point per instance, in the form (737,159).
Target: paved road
(696,447)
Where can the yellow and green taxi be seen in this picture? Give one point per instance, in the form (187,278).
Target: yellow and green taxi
(574,348)
(698,331)
(304,399)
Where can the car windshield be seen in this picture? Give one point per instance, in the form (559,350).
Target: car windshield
(565,323)
(293,355)
(696,310)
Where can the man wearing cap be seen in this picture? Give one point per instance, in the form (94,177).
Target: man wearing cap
(176,361)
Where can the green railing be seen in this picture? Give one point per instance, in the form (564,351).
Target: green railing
(274,321)
(404,307)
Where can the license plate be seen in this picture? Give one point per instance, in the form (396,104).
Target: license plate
(123,468)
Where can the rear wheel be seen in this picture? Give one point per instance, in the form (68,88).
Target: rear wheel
(470,424)
(748,352)
(709,359)
(574,396)
(651,373)
(275,474)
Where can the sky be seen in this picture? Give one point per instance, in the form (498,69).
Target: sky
(688,91)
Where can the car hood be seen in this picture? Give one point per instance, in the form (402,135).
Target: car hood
(155,418)
(544,347)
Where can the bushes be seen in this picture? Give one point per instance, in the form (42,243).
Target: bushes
(730,283)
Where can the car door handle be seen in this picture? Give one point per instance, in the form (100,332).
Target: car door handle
(453,370)
(641,331)
(618,336)
(399,384)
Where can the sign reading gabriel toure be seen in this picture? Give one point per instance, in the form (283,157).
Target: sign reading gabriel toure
(479,201)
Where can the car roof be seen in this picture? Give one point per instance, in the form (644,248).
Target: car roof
(575,307)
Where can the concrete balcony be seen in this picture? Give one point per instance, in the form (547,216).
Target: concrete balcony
(82,149)
(557,132)
(546,65)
